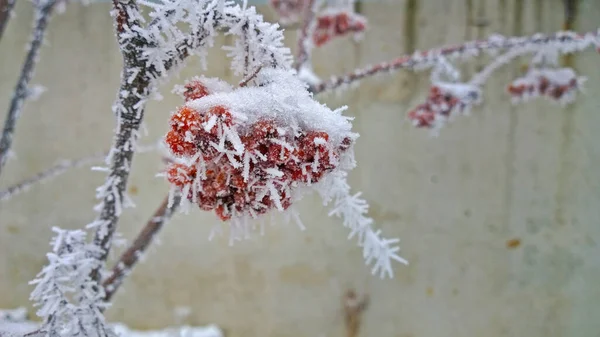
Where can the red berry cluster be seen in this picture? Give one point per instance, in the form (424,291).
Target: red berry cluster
(553,84)
(441,102)
(274,160)
(334,24)
(288,10)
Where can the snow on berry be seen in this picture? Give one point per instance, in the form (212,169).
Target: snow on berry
(559,85)
(253,150)
(444,101)
(200,86)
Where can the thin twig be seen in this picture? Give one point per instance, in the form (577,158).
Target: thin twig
(249,78)
(481,77)
(132,255)
(304,44)
(42,15)
(58,169)
(6,8)
(47,174)
(565,42)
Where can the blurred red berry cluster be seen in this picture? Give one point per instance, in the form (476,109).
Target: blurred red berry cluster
(555,84)
(337,23)
(255,180)
(288,10)
(441,102)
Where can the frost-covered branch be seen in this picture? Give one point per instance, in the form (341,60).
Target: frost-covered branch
(305,33)
(129,107)
(6,8)
(43,11)
(16,315)
(69,300)
(135,251)
(449,96)
(47,174)
(562,42)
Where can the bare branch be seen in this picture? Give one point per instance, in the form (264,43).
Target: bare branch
(132,255)
(6,7)
(47,174)
(43,12)
(564,42)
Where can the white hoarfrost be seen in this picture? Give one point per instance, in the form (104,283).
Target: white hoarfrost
(68,300)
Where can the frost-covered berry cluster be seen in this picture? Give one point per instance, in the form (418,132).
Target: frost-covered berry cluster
(254,150)
(444,101)
(337,22)
(288,11)
(237,168)
(559,85)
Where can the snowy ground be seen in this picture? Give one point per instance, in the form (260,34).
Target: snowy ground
(16,323)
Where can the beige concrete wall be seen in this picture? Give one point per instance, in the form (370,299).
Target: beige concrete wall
(528,173)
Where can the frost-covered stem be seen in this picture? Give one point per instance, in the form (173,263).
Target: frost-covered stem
(247,80)
(6,7)
(43,11)
(481,77)
(304,38)
(47,174)
(129,109)
(352,209)
(563,42)
(132,255)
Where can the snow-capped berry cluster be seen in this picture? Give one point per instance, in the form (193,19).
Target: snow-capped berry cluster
(560,85)
(236,167)
(335,23)
(274,161)
(444,101)
(243,152)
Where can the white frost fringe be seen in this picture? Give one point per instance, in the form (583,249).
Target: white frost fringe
(14,323)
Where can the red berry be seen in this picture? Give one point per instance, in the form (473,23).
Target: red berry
(185,119)
(178,145)
(180,175)
(194,90)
